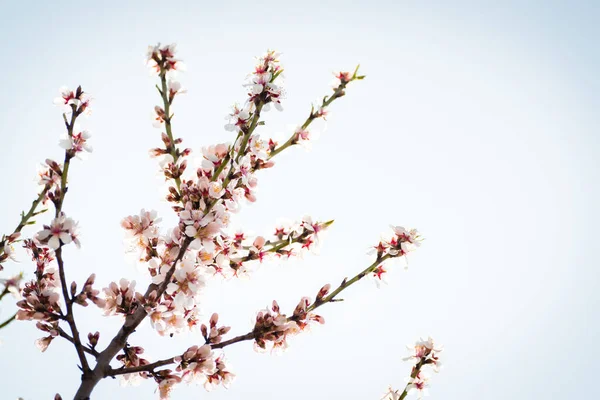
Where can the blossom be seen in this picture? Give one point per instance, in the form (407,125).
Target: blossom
(258,148)
(305,137)
(43,343)
(9,252)
(76,100)
(121,298)
(162,58)
(425,352)
(261,83)
(409,239)
(379,274)
(216,190)
(159,116)
(341,78)
(419,385)
(189,278)
(391,394)
(12,285)
(130,358)
(166,385)
(61,231)
(238,117)
(196,363)
(77,143)
(174,88)
(67,97)
(222,375)
(143,226)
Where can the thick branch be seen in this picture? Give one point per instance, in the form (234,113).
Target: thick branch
(132,321)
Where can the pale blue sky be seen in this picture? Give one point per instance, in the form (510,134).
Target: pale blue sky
(477,124)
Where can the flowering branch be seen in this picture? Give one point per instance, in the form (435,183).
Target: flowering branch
(302,312)
(7,240)
(321,112)
(199,247)
(423,353)
(58,203)
(7,250)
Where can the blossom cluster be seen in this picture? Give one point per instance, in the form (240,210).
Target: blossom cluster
(41,296)
(272,328)
(401,242)
(200,247)
(162,58)
(198,364)
(131,358)
(423,354)
(74,101)
(212,251)
(213,334)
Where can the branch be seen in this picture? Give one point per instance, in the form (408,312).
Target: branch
(87,349)
(8,321)
(151,367)
(58,203)
(318,303)
(339,92)
(253,334)
(132,321)
(164,93)
(25,217)
(415,371)
(69,317)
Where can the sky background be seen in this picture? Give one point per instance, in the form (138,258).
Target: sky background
(477,124)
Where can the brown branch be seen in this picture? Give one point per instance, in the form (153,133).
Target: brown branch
(69,316)
(8,321)
(132,321)
(58,203)
(253,334)
(87,349)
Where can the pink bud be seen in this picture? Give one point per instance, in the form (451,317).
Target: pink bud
(323,292)
(259,242)
(221,150)
(213,320)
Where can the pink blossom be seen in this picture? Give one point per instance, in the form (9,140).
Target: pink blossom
(61,231)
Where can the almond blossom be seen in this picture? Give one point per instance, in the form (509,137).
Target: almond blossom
(61,231)
(204,194)
(77,143)
(121,298)
(197,363)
